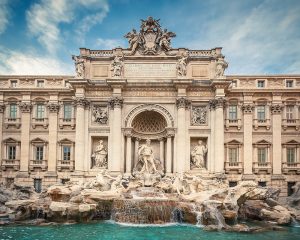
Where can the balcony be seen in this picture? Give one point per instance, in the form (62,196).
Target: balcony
(34,164)
(15,122)
(231,167)
(259,167)
(294,123)
(10,164)
(233,123)
(261,123)
(67,122)
(40,122)
(288,167)
(65,165)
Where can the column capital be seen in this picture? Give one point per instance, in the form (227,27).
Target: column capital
(170,133)
(183,102)
(2,107)
(161,139)
(81,102)
(53,107)
(248,108)
(276,108)
(128,132)
(25,107)
(115,102)
(217,103)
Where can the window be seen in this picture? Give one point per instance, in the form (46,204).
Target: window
(234,83)
(261,113)
(262,155)
(13,111)
(13,83)
(232,183)
(11,152)
(290,188)
(40,110)
(289,83)
(289,112)
(66,153)
(291,155)
(40,83)
(67,111)
(37,183)
(262,184)
(261,83)
(233,156)
(232,112)
(39,153)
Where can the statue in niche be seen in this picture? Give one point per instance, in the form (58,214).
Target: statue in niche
(220,68)
(79,66)
(198,115)
(100,115)
(100,156)
(181,66)
(145,153)
(117,66)
(198,155)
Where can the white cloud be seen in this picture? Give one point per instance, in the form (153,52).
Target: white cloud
(44,19)
(108,43)
(261,39)
(14,62)
(4,15)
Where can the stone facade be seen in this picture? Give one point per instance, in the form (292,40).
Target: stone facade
(57,128)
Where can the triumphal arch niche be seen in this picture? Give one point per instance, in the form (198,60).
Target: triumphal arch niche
(151,108)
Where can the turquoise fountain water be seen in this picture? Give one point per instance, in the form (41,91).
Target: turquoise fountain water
(111,231)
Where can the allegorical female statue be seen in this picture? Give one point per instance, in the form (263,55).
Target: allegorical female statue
(100,156)
(198,155)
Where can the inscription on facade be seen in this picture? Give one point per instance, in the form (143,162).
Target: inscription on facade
(150,70)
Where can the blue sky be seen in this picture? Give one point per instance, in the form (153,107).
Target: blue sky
(257,36)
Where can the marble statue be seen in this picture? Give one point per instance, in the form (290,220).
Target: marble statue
(165,39)
(198,115)
(151,40)
(100,115)
(220,67)
(100,156)
(145,153)
(181,66)
(198,155)
(133,40)
(79,66)
(117,66)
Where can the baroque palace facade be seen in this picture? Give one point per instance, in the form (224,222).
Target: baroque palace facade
(199,121)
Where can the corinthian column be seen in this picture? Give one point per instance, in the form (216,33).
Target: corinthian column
(52,156)
(25,108)
(182,103)
(219,135)
(116,105)
(80,136)
(276,129)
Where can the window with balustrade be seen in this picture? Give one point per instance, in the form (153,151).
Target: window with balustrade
(261,112)
(66,153)
(291,155)
(67,112)
(261,155)
(13,111)
(11,152)
(232,112)
(289,112)
(39,153)
(40,111)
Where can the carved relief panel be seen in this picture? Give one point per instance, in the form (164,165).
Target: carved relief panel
(100,115)
(198,115)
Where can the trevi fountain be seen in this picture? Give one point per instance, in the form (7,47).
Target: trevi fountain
(154,197)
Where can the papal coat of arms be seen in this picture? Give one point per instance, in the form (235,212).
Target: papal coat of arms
(151,39)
